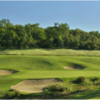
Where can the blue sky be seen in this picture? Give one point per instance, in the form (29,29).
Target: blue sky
(84,15)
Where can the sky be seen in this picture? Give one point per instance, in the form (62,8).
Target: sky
(84,15)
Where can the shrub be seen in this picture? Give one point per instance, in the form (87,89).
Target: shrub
(56,88)
(11,95)
(94,79)
(79,80)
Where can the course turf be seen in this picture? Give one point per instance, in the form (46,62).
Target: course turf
(55,74)
(93,94)
(50,66)
(28,63)
(36,67)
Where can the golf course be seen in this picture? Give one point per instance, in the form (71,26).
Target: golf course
(49,49)
(33,71)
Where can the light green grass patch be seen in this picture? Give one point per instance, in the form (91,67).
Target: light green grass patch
(55,74)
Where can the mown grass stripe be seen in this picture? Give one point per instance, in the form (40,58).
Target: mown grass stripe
(56,74)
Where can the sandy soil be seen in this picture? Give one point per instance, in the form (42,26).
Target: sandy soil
(6,72)
(69,67)
(35,85)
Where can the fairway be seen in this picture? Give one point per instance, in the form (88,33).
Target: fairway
(28,63)
(50,66)
(55,74)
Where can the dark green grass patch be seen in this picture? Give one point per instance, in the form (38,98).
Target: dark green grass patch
(93,94)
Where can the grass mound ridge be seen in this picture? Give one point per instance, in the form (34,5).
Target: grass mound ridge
(35,85)
(7,72)
(73,68)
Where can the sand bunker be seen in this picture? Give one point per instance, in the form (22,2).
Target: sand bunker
(69,67)
(34,85)
(7,72)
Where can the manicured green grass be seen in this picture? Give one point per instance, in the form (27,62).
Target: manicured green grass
(28,63)
(6,83)
(50,66)
(55,74)
(51,52)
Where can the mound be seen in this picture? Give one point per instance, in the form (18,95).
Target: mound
(35,85)
(7,72)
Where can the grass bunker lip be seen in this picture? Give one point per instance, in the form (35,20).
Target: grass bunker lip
(7,72)
(75,66)
(72,68)
(35,85)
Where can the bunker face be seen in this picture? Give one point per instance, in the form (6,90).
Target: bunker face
(35,86)
(7,72)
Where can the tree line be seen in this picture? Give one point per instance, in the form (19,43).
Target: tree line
(57,36)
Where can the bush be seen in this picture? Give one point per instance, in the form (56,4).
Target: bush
(94,79)
(11,95)
(55,88)
(80,80)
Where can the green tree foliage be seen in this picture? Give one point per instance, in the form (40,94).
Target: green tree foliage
(57,36)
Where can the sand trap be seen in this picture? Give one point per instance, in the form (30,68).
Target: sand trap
(73,68)
(35,85)
(7,72)
(69,67)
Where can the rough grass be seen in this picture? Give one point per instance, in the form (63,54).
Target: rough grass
(51,52)
(93,94)
(85,90)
